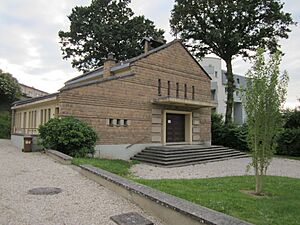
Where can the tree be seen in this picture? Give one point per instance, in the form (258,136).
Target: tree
(103,27)
(9,88)
(264,98)
(229,28)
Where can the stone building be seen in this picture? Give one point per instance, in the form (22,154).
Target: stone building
(160,97)
(31,92)
(219,89)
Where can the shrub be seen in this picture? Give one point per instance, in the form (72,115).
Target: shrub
(5,125)
(288,142)
(232,136)
(68,135)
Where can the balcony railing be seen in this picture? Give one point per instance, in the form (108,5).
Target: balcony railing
(25,131)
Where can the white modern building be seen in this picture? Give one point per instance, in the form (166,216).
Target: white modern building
(219,89)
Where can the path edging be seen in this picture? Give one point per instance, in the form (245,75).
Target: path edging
(168,208)
(59,156)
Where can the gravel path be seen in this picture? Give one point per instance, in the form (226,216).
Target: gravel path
(233,167)
(81,202)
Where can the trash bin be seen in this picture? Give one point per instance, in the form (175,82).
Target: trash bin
(27,144)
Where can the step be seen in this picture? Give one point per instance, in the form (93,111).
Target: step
(183,151)
(190,157)
(180,161)
(186,163)
(203,162)
(187,147)
(186,154)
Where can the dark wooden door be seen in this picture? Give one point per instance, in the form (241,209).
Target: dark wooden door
(175,127)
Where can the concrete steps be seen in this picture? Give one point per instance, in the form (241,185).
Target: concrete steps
(174,156)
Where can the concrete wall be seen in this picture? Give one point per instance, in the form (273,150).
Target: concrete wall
(18,141)
(123,151)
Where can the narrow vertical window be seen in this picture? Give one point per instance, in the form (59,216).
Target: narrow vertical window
(169,88)
(49,114)
(159,87)
(193,92)
(42,117)
(111,122)
(177,90)
(185,91)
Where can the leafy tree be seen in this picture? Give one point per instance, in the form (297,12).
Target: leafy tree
(9,88)
(264,98)
(103,27)
(229,28)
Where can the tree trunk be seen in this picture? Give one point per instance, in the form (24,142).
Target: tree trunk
(230,91)
(258,186)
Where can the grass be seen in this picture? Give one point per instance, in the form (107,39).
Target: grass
(280,206)
(287,157)
(119,167)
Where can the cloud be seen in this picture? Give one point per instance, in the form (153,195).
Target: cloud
(29,47)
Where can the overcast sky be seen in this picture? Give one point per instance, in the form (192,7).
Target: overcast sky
(29,43)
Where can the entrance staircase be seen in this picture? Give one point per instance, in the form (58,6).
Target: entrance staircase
(183,155)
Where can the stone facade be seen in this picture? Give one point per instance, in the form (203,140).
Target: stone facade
(126,103)
(131,98)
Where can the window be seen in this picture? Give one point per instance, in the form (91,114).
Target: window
(169,87)
(56,111)
(49,114)
(193,92)
(177,90)
(24,120)
(238,80)
(111,122)
(216,74)
(125,122)
(118,122)
(159,87)
(185,91)
(41,122)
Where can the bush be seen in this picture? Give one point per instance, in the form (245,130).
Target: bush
(232,136)
(68,135)
(5,125)
(288,142)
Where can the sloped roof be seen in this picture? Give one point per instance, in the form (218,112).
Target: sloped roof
(99,71)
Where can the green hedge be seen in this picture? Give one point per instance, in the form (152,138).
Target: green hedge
(232,136)
(288,142)
(5,121)
(68,135)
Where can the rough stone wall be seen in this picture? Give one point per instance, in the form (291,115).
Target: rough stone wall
(130,98)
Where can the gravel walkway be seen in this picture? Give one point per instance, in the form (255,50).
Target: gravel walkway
(82,202)
(233,167)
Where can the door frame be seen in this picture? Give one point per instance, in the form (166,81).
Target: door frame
(188,126)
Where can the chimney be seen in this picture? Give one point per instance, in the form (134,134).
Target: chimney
(108,64)
(150,43)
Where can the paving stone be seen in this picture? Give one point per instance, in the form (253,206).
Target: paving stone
(131,218)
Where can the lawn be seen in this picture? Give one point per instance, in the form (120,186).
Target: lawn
(281,206)
(119,167)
